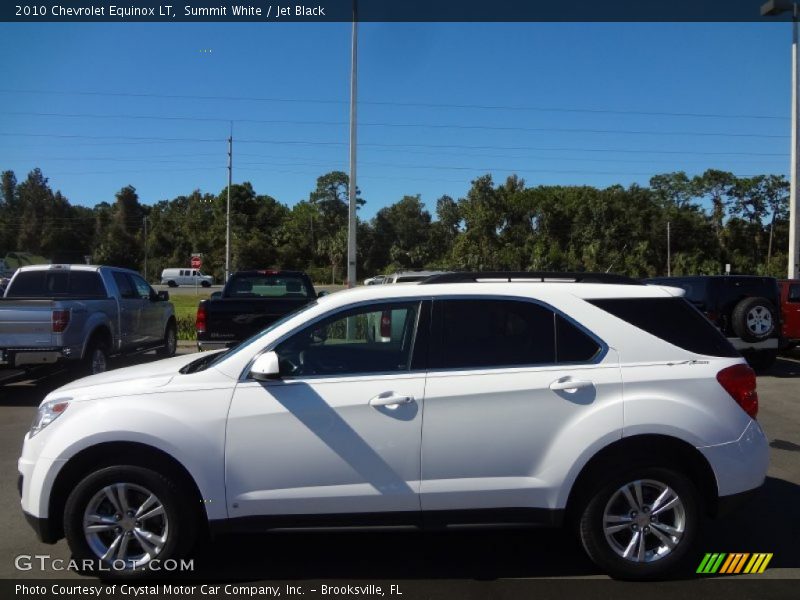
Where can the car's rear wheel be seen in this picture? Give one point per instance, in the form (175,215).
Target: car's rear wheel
(121,518)
(170,341)
(641,525)
(96,358)
(754,319)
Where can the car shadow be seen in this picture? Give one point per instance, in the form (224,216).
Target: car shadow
(784,367)
(30,389)
(483,555)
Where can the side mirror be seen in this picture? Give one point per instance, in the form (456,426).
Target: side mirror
(163,296)
(322,293)
(216,295)
(265,367)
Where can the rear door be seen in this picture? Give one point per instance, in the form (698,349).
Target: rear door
(791,311)
(515,393)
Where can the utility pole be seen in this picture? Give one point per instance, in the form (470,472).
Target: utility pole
(144,218)
(228,211)
(669,253)
(774,8)
(351,224)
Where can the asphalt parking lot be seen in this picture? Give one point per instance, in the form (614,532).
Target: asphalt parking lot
(772,524)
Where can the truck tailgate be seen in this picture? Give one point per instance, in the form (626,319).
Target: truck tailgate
(238,319)
(26,323)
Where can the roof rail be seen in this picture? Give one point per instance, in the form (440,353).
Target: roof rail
(525,276)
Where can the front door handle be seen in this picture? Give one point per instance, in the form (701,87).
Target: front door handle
(568,384)
(390,399)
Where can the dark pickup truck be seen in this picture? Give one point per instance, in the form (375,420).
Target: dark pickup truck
(250,302)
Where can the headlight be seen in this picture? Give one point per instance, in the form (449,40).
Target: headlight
(47,413)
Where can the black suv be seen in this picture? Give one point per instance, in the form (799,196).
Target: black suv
(745,308)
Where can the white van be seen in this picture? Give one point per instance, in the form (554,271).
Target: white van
(176,277)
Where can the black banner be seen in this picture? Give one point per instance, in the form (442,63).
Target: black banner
(540,589)
(389,10)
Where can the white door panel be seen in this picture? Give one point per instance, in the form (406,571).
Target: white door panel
(316,445)
(504,438)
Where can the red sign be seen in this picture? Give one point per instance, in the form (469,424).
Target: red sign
(197,261)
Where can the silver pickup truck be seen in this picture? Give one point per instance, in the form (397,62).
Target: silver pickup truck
(81,314)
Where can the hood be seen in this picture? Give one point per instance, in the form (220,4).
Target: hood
(122,382)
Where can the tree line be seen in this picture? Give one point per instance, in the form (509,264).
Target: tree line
(713,219)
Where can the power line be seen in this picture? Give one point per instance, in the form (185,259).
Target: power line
(559,109)
(415,125)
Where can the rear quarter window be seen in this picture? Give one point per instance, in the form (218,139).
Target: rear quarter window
(673,320)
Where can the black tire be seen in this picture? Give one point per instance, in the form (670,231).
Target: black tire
(205,284)
(95,360)
(177,523)
(171,283)
(609,495)
(754,319)
(170,341)
(762,360)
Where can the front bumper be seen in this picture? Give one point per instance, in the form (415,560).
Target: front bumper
(43,528)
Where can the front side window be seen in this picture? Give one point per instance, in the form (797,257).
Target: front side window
(371,339)
(492,333)
(794,292)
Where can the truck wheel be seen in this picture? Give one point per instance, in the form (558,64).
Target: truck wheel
(205,284)
(170,341)
(754,319)
(121,517)
(641,525)
(96,359)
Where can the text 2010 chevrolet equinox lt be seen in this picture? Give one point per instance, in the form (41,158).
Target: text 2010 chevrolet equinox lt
(587,401)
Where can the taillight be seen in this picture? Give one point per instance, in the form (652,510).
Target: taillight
(60,320)
(386,324)
(740,382)
(200,320)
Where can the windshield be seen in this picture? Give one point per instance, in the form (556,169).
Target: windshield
(209,361)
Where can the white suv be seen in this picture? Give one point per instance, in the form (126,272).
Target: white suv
(584,400)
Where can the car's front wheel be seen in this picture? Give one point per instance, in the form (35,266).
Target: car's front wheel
(122,518)
(641,525)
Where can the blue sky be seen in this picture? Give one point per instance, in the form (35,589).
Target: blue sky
(599,77)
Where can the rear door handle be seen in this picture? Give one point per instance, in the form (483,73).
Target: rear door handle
(390,399)
(567,384)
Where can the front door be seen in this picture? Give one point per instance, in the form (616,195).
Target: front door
(130,310)
(340,431)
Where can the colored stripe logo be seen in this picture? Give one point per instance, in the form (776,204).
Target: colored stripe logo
(733,563)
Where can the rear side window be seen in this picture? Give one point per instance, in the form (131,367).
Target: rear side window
(673,320)
(492,333)
(126,289)
(54,284)
(794,292)
(572,344)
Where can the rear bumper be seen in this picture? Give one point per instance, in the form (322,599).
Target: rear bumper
(740,466)
(33,357)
